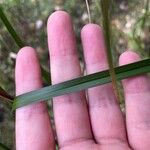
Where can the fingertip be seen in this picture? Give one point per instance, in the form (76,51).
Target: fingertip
(26,52)
(90,28)
(27,71)
(128,57)
(61,37)
(60,17)
(26,57)
(93,45)
(135,84)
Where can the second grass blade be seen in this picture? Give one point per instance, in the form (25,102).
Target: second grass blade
(11,30)
(105,7)
(81,83)
(4,94)
(19,42)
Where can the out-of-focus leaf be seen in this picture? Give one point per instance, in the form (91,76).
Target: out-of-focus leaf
(4,94)
(11,30)
(19,42)
(3,147)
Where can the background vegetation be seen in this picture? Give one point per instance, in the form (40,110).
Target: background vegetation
(130,29)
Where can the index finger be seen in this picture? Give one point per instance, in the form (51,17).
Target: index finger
(33,129)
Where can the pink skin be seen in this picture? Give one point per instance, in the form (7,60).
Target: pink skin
(80,125)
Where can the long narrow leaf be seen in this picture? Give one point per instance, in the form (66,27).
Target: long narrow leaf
(11,30)
(105,6)
(18,40)
(4,94)
(81,83)
(3,147)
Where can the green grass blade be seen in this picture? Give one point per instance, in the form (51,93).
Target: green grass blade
(19,42)
(3,147)
(81,83)
(5,95)
(105,7)
(11,30)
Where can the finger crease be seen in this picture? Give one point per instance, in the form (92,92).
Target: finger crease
(76,141)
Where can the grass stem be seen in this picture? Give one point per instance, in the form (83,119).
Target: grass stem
(105,7)
(88,10)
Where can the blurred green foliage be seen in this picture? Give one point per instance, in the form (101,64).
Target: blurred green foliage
(130,29)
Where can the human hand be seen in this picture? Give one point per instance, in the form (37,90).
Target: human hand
(80,125)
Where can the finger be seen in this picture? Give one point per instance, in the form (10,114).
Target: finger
(106,117)
(33,129)
(137,98)
(70,111)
